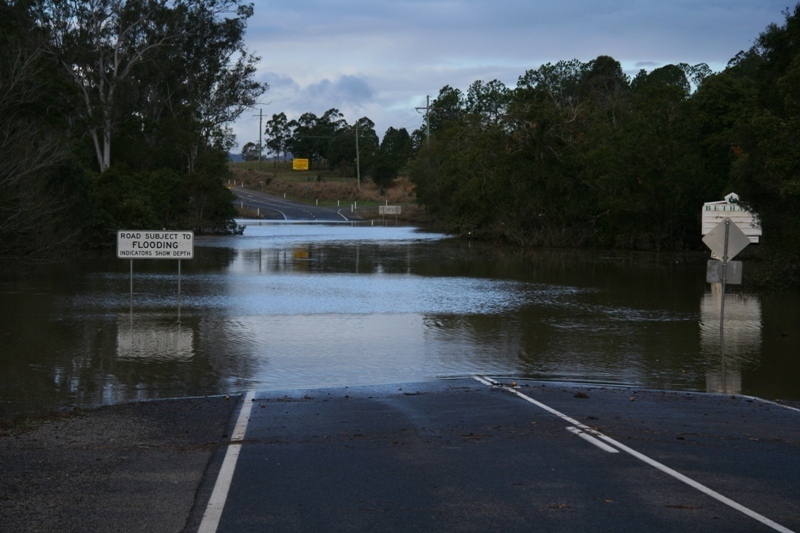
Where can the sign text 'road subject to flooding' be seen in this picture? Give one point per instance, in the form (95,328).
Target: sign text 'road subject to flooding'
(155,244)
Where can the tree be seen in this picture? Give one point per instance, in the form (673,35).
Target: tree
(353,149)
(766,154)
(560,82)
(214,84)
(98,43)
(395,151)
(42,191)
(250,152)
(312,135)
(447,107)
(302,143)
(342,151)
(489,100)
(368,143)
(136,59)
(278,134)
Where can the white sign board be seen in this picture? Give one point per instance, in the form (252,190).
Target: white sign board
(136,244)
(716,212)
(389,209)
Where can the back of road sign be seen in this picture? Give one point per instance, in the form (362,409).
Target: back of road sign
(715,240)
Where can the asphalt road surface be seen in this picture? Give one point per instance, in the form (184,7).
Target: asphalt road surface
(473,455)
(280,209)
(449,455)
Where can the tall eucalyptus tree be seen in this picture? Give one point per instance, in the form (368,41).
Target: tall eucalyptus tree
(144,59)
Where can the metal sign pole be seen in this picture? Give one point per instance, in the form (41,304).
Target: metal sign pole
(131,286)
(179,291)
(722,302)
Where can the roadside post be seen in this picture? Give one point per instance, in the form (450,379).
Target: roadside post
(728,228)
(138,244)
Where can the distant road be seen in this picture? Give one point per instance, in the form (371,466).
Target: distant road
(280,209)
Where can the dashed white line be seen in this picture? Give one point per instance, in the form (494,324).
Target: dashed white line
(220,494)
(652,462)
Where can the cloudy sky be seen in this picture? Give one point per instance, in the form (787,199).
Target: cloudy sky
(380,58)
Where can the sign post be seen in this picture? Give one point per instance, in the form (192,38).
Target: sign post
(387,209)
(138,244)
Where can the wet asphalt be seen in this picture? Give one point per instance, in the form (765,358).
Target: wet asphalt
(448,455)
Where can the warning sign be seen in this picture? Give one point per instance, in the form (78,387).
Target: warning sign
(137,244)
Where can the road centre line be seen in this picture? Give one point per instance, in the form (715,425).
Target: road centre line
(219,495)
(652,462)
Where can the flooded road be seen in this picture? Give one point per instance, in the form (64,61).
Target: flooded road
(312,305)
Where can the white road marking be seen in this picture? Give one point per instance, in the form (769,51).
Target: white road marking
(588,438)
(652,462)
(220,494)
(768,402)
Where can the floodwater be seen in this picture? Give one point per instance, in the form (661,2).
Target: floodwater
(289,306)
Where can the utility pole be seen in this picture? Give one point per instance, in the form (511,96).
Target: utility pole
(358,161)
(427,122)
(260,129)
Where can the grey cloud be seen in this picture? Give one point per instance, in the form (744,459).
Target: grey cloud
(346,89)
(278,82)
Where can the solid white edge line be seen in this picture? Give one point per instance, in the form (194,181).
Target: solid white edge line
(770,402)
(219,495)
(652,462)
(699,486)
(588,438)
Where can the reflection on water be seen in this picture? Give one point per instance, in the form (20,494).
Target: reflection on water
(148,339)
(292,305)
(736,344)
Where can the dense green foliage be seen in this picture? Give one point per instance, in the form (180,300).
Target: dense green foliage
(581,154)
(114,115)
(333,143)
(43,192)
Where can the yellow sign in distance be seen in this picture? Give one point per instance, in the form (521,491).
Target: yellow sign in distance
(299,164)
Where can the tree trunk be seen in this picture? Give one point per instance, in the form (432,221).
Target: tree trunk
(106,147)
(98,149)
